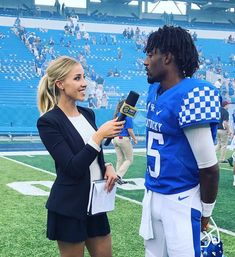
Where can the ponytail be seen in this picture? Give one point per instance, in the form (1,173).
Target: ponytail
(48,92)
(46,95)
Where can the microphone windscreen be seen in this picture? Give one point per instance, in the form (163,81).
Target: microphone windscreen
(127,109)
(132,98)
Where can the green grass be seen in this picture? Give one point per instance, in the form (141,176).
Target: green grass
(23,218)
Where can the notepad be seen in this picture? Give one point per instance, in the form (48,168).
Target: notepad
(99,199)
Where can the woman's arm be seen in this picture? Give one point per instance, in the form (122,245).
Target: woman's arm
(73,164)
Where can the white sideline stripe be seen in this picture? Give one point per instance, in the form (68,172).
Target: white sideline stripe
(128,199)
(32,153)
(29,166)
(225,231)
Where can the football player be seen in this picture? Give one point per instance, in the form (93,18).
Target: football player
(182,170)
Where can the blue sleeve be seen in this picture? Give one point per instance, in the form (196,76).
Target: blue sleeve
(129,123)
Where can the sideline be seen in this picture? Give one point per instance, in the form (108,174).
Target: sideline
(225,231)
(31,153)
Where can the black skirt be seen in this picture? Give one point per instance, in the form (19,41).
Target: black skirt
(69,229)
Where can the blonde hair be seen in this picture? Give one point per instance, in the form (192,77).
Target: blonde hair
(48,92)
(118,108)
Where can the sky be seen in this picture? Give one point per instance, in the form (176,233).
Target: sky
(167,6)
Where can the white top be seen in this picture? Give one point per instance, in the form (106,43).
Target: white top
(86,131)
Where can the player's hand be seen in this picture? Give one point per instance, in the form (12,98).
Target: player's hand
(111,177)
(135,141)
(204,223)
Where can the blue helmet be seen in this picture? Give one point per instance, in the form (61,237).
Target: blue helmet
(211,245)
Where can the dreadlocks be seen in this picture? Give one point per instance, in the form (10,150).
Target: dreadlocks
(179,42)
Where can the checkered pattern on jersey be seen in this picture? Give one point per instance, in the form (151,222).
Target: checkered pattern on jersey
(200,105)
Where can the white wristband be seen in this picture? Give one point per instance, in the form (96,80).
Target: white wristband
(108,164)
(207,209)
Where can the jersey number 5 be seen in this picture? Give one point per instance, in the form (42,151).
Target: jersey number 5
(154,171)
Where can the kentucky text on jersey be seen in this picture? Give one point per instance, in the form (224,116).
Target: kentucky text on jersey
(153,125)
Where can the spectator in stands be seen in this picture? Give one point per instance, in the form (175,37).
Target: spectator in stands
(165,18)
(218,83)
(232,59)
(114,39)
(104,101)
(100,80)
(110,73)
(93,40)
(119,53)
(17,22)
(124,33)
(223,91)
(90,100)
(123,146)
(87,49)
(51,41)
(86,36)
(194,36)
(66,28)
(231,40)
(137,31)
(69,133)
(77,28)
(171,19)
(83,61)
(99,94)
(57,6)
(82,29)
(93,75)
(63,9)
(224,132)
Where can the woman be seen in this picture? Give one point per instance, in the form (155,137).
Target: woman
(70,135)
(123,146)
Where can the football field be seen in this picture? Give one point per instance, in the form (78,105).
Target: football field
(25,183)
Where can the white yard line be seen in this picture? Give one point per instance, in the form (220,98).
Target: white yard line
(33,153)
(225,231)
(29,166)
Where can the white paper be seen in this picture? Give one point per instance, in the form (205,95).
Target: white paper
(100,200)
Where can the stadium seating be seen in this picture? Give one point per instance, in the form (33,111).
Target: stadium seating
(19,80)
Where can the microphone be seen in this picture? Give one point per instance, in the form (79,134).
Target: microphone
(127,109)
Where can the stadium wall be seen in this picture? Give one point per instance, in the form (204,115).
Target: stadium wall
(105,28)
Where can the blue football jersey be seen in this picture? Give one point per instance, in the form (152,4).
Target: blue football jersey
(171,166)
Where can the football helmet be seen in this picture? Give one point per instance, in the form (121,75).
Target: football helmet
(211,245)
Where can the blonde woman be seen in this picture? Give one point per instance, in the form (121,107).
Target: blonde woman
(71,137)
(123,146)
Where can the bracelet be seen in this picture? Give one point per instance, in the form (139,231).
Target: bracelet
(207,209)
(108,164)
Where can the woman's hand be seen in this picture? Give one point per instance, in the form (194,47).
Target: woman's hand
(109,129)
(111,177)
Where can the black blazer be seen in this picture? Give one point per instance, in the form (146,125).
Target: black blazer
(70,191)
